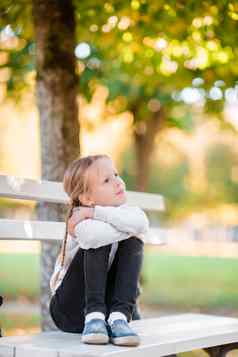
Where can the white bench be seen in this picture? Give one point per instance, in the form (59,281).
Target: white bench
(160,336)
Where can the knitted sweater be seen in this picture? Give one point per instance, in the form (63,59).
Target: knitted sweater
(109,225)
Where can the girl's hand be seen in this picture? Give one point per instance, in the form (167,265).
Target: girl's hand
(78,216)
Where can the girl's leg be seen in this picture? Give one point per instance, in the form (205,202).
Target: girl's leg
(123,278)
(110,290)
(82,290)
(95,275)
(68,304)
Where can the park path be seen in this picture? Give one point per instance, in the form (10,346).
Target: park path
(28,308)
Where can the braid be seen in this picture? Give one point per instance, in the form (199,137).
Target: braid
(73,203)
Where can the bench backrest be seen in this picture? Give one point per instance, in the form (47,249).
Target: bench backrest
(49,191)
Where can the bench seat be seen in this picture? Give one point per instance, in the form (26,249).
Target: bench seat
(161,336)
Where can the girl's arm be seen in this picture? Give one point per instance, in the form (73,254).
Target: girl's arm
(127,219)
(91,233)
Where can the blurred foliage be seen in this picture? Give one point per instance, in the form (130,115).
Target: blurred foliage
(149,55)
(141,50)
(221,187)
(221,161)
(20,323)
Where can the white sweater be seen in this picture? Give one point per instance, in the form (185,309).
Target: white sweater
(108,226)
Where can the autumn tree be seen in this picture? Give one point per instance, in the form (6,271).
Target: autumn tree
(44,32)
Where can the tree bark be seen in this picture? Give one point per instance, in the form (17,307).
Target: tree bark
(56,92)
(145,132)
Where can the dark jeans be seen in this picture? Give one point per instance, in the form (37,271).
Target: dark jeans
(88,285)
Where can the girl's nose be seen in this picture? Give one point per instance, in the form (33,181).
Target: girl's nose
(119,183)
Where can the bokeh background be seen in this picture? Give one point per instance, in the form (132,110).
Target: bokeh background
(158,91)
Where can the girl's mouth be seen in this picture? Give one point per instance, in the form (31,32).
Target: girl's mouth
(120,192)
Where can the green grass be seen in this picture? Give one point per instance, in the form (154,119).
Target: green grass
(19,275)
(171,281)
(201,282)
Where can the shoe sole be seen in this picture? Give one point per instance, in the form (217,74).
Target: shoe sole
(126,341)
(95,339)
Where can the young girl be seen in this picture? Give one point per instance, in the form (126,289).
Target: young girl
(95,281)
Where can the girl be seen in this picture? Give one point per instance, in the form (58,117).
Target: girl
(95,281)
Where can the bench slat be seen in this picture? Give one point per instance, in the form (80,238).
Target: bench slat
(31,230)
(159,337)
(11,229)
(50,191)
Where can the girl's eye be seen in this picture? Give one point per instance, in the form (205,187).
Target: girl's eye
(107,180)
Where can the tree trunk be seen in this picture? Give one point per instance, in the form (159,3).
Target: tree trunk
(56,91)
(144,137)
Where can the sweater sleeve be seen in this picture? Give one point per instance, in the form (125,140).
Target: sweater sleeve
(129,219)
(91,233)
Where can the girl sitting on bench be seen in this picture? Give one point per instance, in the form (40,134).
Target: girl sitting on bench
(95,281)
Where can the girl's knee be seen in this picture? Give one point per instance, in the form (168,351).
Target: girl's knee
(97,257)
(132,244)
(135,241)
(98,251)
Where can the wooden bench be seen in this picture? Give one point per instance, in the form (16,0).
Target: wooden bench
(164,336)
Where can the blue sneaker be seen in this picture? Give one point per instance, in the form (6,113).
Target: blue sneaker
(95,332)
(121,334)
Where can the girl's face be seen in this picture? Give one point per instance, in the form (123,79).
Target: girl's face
(106,188)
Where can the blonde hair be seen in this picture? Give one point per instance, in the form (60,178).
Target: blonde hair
(75,182)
